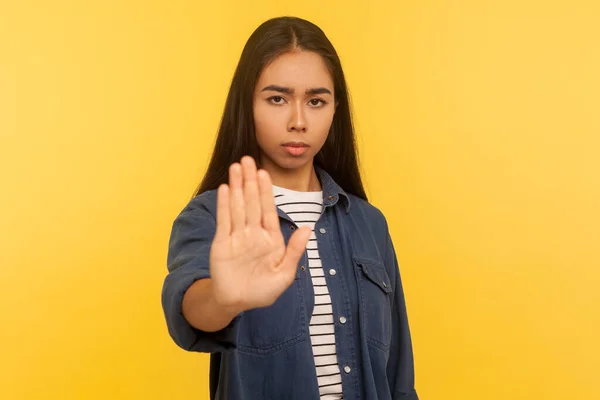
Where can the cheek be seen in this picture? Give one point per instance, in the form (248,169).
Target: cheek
(267,123)
(322,123)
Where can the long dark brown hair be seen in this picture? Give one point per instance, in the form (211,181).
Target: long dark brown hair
(236,136)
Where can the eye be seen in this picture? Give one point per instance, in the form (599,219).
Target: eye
(317,102)
(277,100)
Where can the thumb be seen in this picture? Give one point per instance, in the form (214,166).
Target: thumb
(295,248)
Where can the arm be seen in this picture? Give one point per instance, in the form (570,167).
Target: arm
(243,230)
(194,321)
(400,369)
(202,311)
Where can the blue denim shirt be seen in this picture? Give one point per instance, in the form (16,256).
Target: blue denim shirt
(266,353)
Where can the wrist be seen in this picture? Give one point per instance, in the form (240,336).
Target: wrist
(230,309)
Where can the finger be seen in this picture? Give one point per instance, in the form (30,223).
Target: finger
(223,214)
(251,198)
(236,203)
(270,218)
(295,248)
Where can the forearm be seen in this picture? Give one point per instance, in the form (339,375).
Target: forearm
(201,310)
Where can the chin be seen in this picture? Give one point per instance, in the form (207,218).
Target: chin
(295,163)
(290,163)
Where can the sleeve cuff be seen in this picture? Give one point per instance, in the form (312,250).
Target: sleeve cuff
(184,334)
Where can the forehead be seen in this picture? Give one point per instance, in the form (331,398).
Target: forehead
(301,69)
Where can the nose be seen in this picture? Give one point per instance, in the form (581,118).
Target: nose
(297,120)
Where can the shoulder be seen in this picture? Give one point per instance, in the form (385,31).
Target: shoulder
(199,213)
(203,204)
(373,215)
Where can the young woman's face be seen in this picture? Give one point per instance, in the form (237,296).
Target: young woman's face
(293,109)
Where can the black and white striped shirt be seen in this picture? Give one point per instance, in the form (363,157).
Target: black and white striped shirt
(305,208)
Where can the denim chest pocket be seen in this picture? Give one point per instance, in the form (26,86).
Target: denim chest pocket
(266,330)
(375,296)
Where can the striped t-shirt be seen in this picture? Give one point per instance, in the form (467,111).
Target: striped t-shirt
(305,208)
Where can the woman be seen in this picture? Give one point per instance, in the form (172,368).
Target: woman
(279,267)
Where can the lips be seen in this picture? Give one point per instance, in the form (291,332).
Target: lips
(295,148)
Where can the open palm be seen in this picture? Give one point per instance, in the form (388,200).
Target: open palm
(250,265)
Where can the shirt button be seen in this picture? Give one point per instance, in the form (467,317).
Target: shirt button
(342,320)
(384,284)
(323,231)
(331,197)
(347,369)
(292,227)
(303,268)
(332,272)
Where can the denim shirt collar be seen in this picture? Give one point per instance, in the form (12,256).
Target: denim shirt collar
(332,192)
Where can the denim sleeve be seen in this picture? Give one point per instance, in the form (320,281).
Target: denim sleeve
(400,368)
(187,261)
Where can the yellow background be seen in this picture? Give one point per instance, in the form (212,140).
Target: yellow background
(479,128)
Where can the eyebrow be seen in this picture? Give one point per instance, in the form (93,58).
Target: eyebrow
(287,90)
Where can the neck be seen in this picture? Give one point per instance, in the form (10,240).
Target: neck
(302,179)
